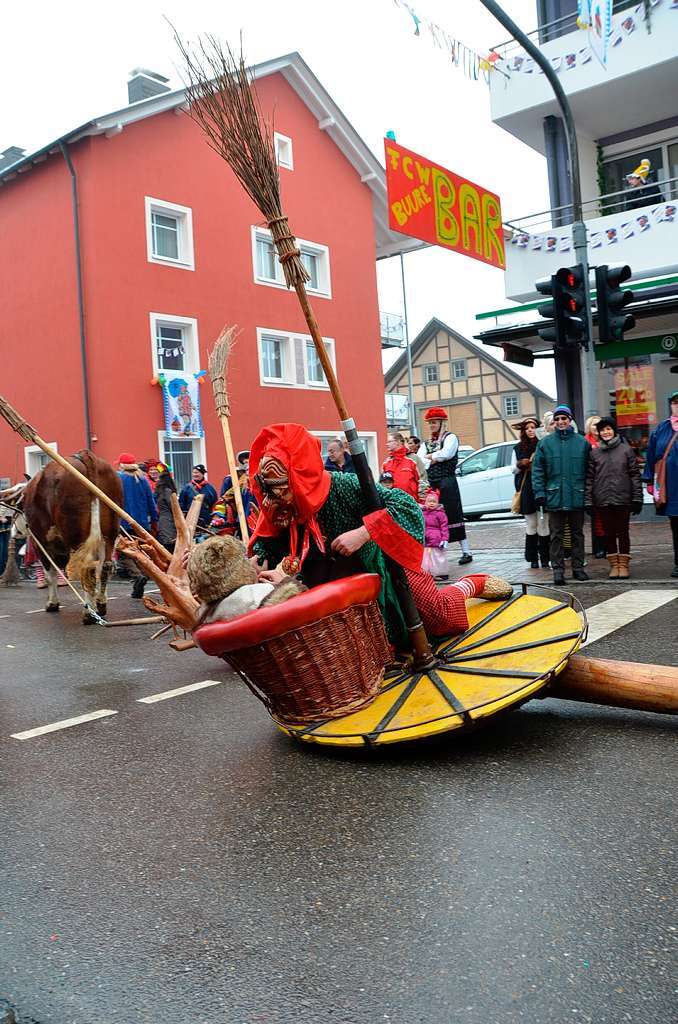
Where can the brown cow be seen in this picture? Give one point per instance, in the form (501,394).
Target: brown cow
(75,528)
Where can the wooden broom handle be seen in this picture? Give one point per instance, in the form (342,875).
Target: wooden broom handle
(237,493)
(328,369)
(86,482)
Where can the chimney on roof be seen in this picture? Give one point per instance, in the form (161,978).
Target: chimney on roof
(10,156)
(144,83)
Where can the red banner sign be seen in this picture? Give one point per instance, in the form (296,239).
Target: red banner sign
(428,202)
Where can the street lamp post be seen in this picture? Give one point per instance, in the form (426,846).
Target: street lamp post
(587,356)
(406,331)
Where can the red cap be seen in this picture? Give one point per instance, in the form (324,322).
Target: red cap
(436,413)
(125,459)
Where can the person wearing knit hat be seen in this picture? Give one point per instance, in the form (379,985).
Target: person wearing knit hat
(642,189)
(537,543)
(558,482)
(440,456)
(199,485)
(137,499)
(614,489)
(661,472)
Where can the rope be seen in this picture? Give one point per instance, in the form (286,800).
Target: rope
(95,615)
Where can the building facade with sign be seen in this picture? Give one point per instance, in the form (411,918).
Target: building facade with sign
(108,317)
(483,397)
(622,97)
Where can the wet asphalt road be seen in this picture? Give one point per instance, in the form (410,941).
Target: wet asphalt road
(184,862)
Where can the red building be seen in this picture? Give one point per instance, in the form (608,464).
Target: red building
(128,244)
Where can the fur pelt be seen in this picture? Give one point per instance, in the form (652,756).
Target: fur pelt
(218,567)
(283,591)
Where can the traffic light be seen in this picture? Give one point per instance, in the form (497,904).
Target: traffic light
(610,300)
(567,307)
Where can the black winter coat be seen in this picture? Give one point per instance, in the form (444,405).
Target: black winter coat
(613,477)
(525,450)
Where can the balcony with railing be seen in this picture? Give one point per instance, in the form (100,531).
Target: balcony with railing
(392,330)
(397,410)
(637,86)
(632,226)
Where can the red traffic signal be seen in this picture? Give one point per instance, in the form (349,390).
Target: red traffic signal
(567,308)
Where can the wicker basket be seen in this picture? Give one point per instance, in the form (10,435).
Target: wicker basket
(325,669)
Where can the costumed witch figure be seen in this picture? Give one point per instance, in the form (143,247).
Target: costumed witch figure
(316,524)
(440,455)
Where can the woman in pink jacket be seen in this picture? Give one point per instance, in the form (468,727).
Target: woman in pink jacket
(436,532)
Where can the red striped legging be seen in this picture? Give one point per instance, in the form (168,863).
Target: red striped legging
(443,610)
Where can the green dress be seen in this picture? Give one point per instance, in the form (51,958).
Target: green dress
(343,511)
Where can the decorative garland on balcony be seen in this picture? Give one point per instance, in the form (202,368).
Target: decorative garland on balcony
(629,224)
(624,25)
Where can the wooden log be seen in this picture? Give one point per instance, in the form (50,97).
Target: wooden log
(621,684)
(182,645)
(137,622)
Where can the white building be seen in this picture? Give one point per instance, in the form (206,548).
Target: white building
(625,111)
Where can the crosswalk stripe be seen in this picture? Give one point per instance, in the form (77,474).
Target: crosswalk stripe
(66,723)
(613,614)
(179,690)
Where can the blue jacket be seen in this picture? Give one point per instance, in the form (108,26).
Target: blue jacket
(190,491)
(559,471)
(659,442)
(138,500)
(348,466)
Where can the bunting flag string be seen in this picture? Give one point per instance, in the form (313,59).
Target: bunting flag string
(472,64)
(621,27)
(626,226)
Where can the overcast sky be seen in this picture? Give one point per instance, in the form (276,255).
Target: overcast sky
(64,63)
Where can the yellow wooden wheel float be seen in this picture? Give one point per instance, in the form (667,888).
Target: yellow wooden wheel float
(511,650)
(509,653)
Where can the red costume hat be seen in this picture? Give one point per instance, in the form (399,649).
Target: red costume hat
(436,413)
(125,459)
(299,452)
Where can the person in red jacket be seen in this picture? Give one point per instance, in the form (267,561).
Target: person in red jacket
(404,470)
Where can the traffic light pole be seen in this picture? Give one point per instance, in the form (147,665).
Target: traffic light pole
(588,360)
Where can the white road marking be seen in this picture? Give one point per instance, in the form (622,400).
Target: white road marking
(180,689)
(65,724)
(613,614)
(35,611)
(4,616)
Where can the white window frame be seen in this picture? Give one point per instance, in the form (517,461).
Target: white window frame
(289,362)
(200,460)
(515,397)
(30,450)
(283,151)
(369,436)
(431,366)
(190,340)
(324,289)
(184,216)
(453,375)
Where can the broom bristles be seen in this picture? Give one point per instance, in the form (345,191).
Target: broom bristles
(223,102)
(217,364)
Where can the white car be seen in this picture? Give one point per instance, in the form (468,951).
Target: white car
(486,481)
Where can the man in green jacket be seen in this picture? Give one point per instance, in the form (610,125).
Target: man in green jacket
(558,481)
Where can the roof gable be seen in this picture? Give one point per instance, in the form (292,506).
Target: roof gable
(312,93)
(430,330)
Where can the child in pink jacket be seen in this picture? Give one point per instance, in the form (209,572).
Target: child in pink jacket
(436,533)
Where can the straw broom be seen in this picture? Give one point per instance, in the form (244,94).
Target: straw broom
(25,430)
(217,363)
(224,105)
